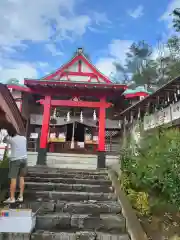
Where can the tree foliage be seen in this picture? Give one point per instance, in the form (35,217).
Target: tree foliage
(156,169)
(145,66)
(176,19)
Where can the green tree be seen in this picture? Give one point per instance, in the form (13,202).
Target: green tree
(138,55)
(156,167)
(176,19)
(137,65)
(173,45)
(147,76)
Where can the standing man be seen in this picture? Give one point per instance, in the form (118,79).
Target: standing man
(17,162)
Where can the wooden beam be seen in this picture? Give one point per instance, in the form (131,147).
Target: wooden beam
(81,74)
(70,103)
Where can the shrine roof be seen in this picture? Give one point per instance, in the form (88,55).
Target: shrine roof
(137,92)
(67,84)
(79,72)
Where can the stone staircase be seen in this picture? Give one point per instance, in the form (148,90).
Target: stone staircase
(74,204)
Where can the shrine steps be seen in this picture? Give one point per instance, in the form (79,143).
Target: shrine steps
(74,204)
(73,160)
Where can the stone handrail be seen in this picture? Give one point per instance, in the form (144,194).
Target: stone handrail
(134,227)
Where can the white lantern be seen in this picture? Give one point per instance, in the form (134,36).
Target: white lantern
(68,116)
(54,114)
(175,97)
(119,123)
(81,117)
(94,115)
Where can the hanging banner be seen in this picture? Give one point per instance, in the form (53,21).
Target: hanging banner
(158,118)
(175,111)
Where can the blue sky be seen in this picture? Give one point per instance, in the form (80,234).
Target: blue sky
(36,37)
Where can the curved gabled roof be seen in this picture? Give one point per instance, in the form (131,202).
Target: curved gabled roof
(8,105)
(137,92)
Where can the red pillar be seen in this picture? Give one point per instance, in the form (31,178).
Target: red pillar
(102,122)
(45,122)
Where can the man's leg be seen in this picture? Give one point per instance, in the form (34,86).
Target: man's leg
(21,182)
(13,173)
(12,188)
(22,173)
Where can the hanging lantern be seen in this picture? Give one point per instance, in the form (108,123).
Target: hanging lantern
(178,91)
(54,114)
(94,115)
(119,123)
(139,113)
(175,97)
(81,117)
(68,116)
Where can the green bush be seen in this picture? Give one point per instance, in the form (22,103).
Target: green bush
(156,168)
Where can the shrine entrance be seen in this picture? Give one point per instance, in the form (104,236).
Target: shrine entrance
(79,132)
(75,132)
(69,132)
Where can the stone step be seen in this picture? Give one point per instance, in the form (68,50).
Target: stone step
(68,180)
(91,207)
(68,196)
(68,187)
(49,174)
(81,235)
(43,168)
(103,222)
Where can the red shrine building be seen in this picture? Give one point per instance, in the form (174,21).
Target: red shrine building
(72,110)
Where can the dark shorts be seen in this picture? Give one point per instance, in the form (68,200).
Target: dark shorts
(17,168)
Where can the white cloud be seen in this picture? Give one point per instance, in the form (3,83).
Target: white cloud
(137,12)
(105,65)
(100,18)
(117,50)
(19,70)
(43,65)
(42,21)
(22,20)
(53,50)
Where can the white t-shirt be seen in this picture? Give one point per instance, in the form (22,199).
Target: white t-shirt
(18,147)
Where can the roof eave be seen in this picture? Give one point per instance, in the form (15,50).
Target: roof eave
(34,82)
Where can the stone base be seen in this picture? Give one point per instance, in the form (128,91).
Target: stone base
(41,158)
(101,162)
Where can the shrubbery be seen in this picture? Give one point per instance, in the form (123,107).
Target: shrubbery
(152,177)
